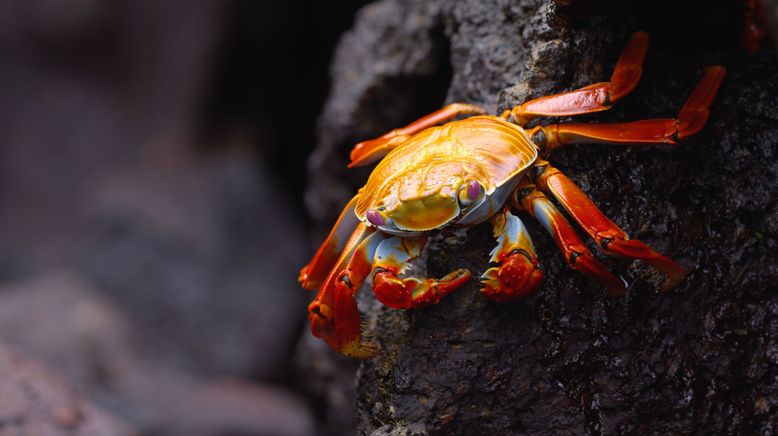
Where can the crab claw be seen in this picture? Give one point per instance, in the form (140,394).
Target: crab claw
(334,315)
(410,292)
(518,276)
(345,333)
(636,249)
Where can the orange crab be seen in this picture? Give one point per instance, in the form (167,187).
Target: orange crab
(480,169)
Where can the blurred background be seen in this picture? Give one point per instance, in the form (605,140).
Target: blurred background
(152,167)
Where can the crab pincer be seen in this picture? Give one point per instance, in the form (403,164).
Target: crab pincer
(518,274)
(392,260)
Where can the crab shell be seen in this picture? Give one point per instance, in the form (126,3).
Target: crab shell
(416,186)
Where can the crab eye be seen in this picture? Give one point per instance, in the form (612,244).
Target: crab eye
(470,193)
(375,217)
(474,190)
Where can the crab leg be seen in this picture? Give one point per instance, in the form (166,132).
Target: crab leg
(518,274)
(371,150)
(691,119)
(592,98)
(313,274)
(575,252)
(608,236)
(334,315)
(392,260)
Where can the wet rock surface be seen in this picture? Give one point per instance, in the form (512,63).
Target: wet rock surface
(702,357)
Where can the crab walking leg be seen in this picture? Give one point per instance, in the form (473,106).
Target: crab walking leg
(695,112)
(518,274)
(573,248)
(592,98)
(392,260)
(691,119)
(313,274)
(334,314)
(371,150)
(608,236)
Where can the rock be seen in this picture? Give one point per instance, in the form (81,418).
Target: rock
(34,400)
(567,360)
(89,91)
(236,407)
(100,172)
(63,320)
(329,379)
(204,258)
(71,325)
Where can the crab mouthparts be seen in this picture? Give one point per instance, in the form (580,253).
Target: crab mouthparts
(426,213)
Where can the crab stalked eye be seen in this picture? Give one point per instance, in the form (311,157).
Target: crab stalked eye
(474,190)
(375,217)
(469,193)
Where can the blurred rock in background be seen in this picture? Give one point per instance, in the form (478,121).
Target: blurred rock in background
(151,227)
(36,401)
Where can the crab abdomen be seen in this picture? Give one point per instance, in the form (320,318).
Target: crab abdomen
(436,162)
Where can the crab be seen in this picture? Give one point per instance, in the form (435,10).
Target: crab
(443,171)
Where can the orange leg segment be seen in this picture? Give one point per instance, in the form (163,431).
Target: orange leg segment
(694,113)
(575,252)
(313,274)
(608,236)
(691,119)
(369,151)
(592,98)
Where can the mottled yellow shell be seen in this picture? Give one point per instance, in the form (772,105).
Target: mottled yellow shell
(436,162)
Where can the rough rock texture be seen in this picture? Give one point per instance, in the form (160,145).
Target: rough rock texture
(703,357)
(33,400)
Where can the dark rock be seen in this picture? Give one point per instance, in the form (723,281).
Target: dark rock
(179,263)
(88,90)
(700,358)
(34,400)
